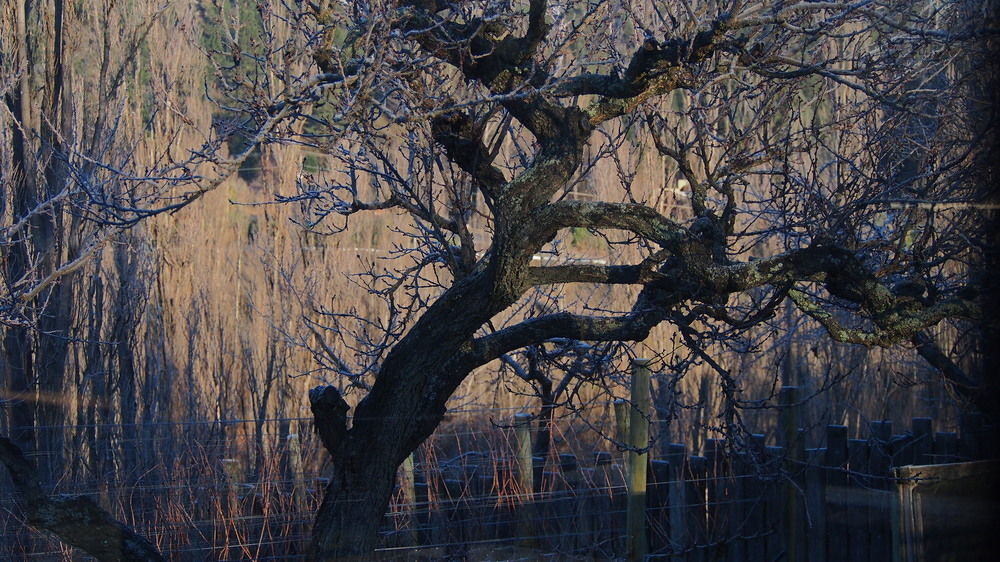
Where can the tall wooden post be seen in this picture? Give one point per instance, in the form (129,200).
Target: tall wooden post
(407,482)
(525,478)
(525,468)
(678,501)
(623,416)
(233,470)
(638,438)
(788,428)
(838,528)
(295,466)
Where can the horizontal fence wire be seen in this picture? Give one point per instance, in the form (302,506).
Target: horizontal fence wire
(249,489)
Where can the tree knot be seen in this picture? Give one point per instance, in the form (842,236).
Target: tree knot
(329,414)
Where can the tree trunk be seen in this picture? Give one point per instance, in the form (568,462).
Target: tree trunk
(405,405)
(354,506)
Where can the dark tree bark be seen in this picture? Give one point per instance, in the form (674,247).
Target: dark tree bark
(77,520)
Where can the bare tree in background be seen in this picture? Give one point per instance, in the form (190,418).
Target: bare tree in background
(68,133)
(829,153)
(65,144)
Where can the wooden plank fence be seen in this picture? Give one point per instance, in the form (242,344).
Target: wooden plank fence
(947,512)
(872,497)
(836,502)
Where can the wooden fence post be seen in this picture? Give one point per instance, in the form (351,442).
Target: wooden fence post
(815,488)
(295,464)
(233,470)
(857,517)
(697,510)
(879,461)
(408,483)
(788,433)
(754,460)
(737,517)
(638,438)
(525,467)
(923,440)
(525,477)
(623,415)
(970,435)
(945,447)
(677,498)
(835,460)
(774,505)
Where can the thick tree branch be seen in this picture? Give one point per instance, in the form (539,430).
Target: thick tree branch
(357,205)
(891,329)
(655,69)
(462,139)
(633,217)
(805,264)
(762,313)
(841,271)
(504,66)
(537,28)
(587,273)
(606,274)
(634,326)
(932,353)
(653,304)
(76,520)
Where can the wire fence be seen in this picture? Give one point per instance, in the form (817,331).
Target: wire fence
(248,489)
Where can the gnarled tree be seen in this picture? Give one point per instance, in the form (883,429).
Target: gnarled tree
(828,151)
(806,137)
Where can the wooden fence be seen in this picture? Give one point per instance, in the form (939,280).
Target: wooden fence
(836,502)
(476,492)
(948,512)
